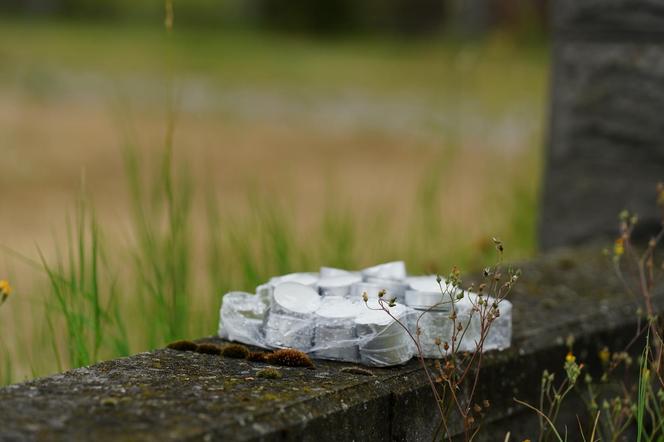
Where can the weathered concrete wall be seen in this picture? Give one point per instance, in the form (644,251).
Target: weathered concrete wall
(169,395)
(606,145)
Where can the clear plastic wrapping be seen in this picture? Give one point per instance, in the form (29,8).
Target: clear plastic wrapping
(325,315)
(242,316)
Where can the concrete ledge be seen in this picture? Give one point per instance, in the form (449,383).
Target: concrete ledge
(169,395)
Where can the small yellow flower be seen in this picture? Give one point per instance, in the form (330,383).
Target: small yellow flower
(604,354)
(5,290)
(619,247)
(570,358)
(5,287)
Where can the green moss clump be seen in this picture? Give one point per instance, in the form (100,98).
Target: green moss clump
(208,349)
(289,357)
(183,345)
(238,351)
(109,402)
(257,356)
(269,373)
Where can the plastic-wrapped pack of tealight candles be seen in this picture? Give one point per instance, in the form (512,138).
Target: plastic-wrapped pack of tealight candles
(336,314)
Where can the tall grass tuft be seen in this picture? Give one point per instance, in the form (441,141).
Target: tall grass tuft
(80,297)
(339,237)
(163,250)
(6,368)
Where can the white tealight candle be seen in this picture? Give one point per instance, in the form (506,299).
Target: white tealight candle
(428,283)
(392,288)
(433,310)
(337,285)
(335,337)
(290,322)
(296,298)
(395,270)
(326,272)
(309,279)
(383,341)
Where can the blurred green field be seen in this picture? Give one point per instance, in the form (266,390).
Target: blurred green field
(288,154)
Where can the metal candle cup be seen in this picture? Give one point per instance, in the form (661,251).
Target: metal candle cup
(290,322)
(395,270)
(469,318)
(264,291)
(285,331)
(334,336)
(326,272)
(427,283)
(433,312)
(393,289)
(304,278)
(500,333)
(382,341)
(358,290)
(337,285)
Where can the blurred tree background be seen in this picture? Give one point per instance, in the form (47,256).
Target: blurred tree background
(304,133)
(325,17)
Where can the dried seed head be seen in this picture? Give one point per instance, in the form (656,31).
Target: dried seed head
(208,349)
(257,356)
(237,351)
(183,345)
(290,357)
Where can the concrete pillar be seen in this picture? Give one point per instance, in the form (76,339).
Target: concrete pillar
(606,140)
